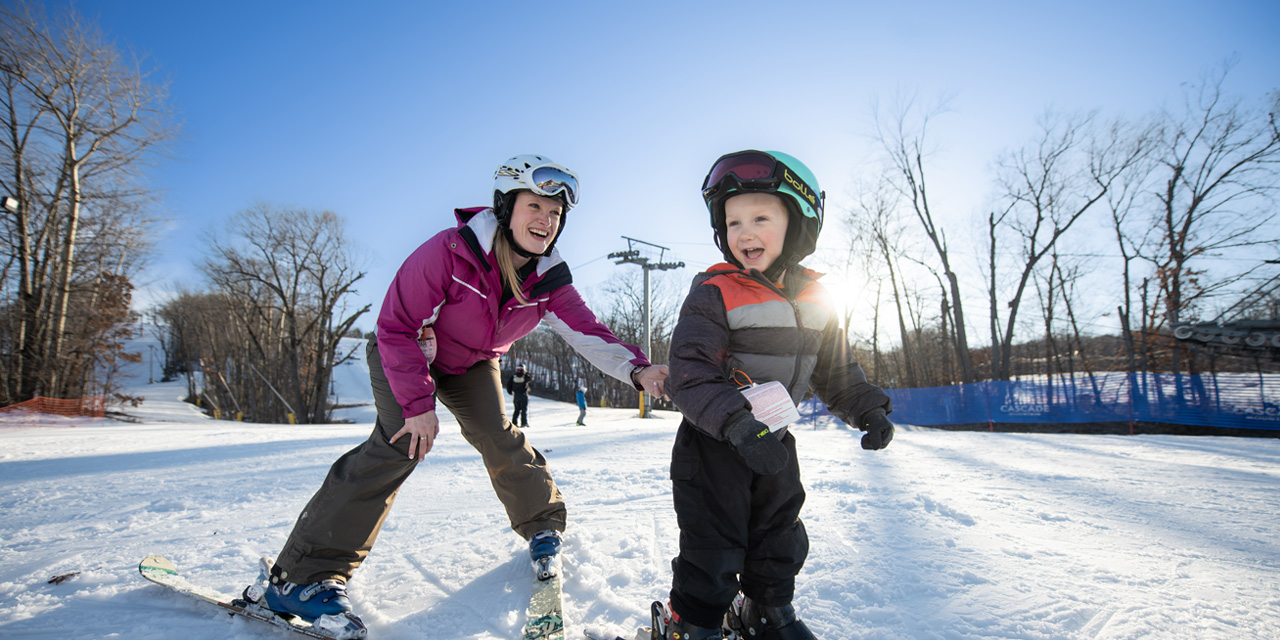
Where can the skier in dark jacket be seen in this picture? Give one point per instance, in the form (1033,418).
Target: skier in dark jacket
(736,484)
(518,387)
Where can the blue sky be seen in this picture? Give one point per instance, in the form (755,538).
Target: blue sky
(393,113)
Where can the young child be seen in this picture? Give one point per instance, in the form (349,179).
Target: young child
(736,484)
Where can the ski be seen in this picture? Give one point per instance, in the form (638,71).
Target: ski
(161,571)
(544,618)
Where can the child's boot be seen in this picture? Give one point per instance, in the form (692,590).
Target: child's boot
(668,625)
(750,621)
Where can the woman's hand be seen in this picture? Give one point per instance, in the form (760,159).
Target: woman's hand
(654,379)
(422,430)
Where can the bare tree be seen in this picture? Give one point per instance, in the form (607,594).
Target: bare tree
(1133,235)
(904,141)
(199,328)
(1055,285)
(875,227)
(79,124)
(1217,165)
(287,273)
(1049,186)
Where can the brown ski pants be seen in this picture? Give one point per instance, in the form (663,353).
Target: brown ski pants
(338,527)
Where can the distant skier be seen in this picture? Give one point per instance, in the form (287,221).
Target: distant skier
(480,286)
(518,387)
(736,484)
(581,396)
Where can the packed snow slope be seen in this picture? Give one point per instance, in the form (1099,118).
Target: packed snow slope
(951,535)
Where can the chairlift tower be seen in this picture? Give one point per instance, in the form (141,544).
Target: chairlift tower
(632,256)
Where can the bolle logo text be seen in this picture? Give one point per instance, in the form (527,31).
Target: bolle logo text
(800,187)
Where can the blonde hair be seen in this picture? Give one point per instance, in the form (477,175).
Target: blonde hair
(507,267)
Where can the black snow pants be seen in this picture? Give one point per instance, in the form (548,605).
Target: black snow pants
(520,413)
(738,530)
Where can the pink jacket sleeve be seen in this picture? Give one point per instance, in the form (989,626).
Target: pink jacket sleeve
(414,298)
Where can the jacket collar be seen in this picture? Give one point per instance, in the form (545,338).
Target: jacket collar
(479,226)
(725,267)
(796,280)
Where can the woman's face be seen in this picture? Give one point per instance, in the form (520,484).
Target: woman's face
(535,220)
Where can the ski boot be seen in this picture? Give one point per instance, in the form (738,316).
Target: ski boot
(544,551)
(748,621)
(668,625)
(324,604)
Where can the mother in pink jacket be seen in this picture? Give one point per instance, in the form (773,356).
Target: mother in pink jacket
(476,288)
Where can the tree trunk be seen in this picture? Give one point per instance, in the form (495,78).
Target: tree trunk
(53,359)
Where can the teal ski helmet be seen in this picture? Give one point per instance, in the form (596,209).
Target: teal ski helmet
(773,172)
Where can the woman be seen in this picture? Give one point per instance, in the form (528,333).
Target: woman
(476,288)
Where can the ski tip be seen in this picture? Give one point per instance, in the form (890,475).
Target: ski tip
(156,564)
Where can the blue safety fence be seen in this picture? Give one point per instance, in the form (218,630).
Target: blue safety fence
(1240,401)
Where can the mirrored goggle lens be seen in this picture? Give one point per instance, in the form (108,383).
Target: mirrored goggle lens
(751,165)
(550,181)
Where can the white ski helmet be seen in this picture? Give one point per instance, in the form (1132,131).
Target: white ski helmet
(539,174)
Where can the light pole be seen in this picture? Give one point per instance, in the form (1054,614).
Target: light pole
(632,256)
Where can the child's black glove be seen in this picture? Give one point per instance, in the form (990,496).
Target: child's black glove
(879,429)
(762,450)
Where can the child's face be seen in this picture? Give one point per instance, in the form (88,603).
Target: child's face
(756,228)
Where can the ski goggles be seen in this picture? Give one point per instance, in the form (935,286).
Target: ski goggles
(757,171)
(550,181)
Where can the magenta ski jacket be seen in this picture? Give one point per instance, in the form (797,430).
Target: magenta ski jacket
(452,284)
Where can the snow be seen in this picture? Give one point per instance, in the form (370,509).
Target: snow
(948,535)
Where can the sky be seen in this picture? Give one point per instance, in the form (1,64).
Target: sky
(392,114)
